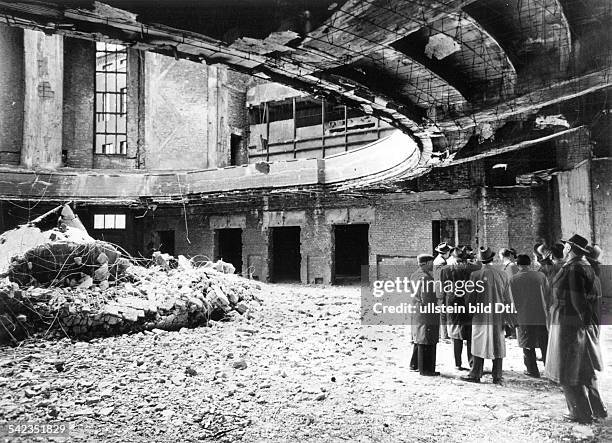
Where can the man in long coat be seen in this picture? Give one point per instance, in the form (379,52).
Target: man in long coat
(529,289)
(458,324)
(573,345)
(425,320)
(488,341)
(443,251)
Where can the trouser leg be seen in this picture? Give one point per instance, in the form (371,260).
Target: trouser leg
(497,369)
(597,406)
(477,366)
(414,361)
(529,358)
(469,352)
(577,401)
(544,344)
(458,350)
(427,358)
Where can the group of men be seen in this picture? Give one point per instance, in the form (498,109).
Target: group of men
(553,302)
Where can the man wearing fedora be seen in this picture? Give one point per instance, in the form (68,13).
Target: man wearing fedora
(443,251)
(488,341)
(573,345)
(459,324)
(425,321)
(528,289)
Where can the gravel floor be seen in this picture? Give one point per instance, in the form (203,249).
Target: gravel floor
(302,369)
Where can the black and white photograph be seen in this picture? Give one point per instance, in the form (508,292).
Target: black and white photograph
(305,221)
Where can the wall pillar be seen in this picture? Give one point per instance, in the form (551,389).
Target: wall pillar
(79,91)
(43,105)
(11,99)
(213,116)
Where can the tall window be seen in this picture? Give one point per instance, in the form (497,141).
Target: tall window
(111,99)
(454,231)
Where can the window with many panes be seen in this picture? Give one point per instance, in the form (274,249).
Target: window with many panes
(111,99)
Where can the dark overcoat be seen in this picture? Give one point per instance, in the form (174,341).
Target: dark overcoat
(488,338)
(425,320)
(573,344)
(528,289)
(453,278)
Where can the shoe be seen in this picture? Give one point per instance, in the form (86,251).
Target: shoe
(583,421)
(413,369)
(430,374)
(601,414)
(461,368)
(532,374)
(498,381)
(470,379)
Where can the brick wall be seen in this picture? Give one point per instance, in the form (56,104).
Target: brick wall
(79,86)
(403,224)
(573,148)
(11,98)
(575,201)
(316,248)
(602,205)
(255,246)
(601,181)
(175,113)
(514,217)
(191,234)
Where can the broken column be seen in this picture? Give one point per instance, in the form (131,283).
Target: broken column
(42,125)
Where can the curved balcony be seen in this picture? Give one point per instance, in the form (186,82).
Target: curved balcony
(393,157)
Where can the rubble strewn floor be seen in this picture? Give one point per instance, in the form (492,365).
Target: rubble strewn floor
(301,369)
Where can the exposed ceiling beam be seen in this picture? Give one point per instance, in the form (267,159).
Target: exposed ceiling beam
(534,101)
(510,148)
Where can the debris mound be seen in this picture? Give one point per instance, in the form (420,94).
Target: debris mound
(142,299)
(61,282)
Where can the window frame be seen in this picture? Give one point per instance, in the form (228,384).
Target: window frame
(110,100)
(109,222)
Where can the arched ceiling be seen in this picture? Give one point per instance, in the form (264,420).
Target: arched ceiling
(442,70)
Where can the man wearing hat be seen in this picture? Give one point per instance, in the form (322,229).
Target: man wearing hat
(425,321)
(528,289)
(443,253)
(507,257)
(488,341)
(573,344)
(459,324)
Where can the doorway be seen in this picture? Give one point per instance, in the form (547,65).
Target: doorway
(351,252)
(285,252)
(229,247)
(235,150)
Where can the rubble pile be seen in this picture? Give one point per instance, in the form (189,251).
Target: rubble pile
(143,299)
(57,280)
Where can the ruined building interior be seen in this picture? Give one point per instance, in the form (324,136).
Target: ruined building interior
(313,147)
(301,140)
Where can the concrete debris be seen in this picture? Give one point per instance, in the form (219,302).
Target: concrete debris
(549,121)
(441,46)
(55,250)
(57,225)
(153,299)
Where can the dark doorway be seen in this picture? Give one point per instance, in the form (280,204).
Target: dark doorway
(351,252)
(286,258)
(235,150)
(229,247)
(166,242)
